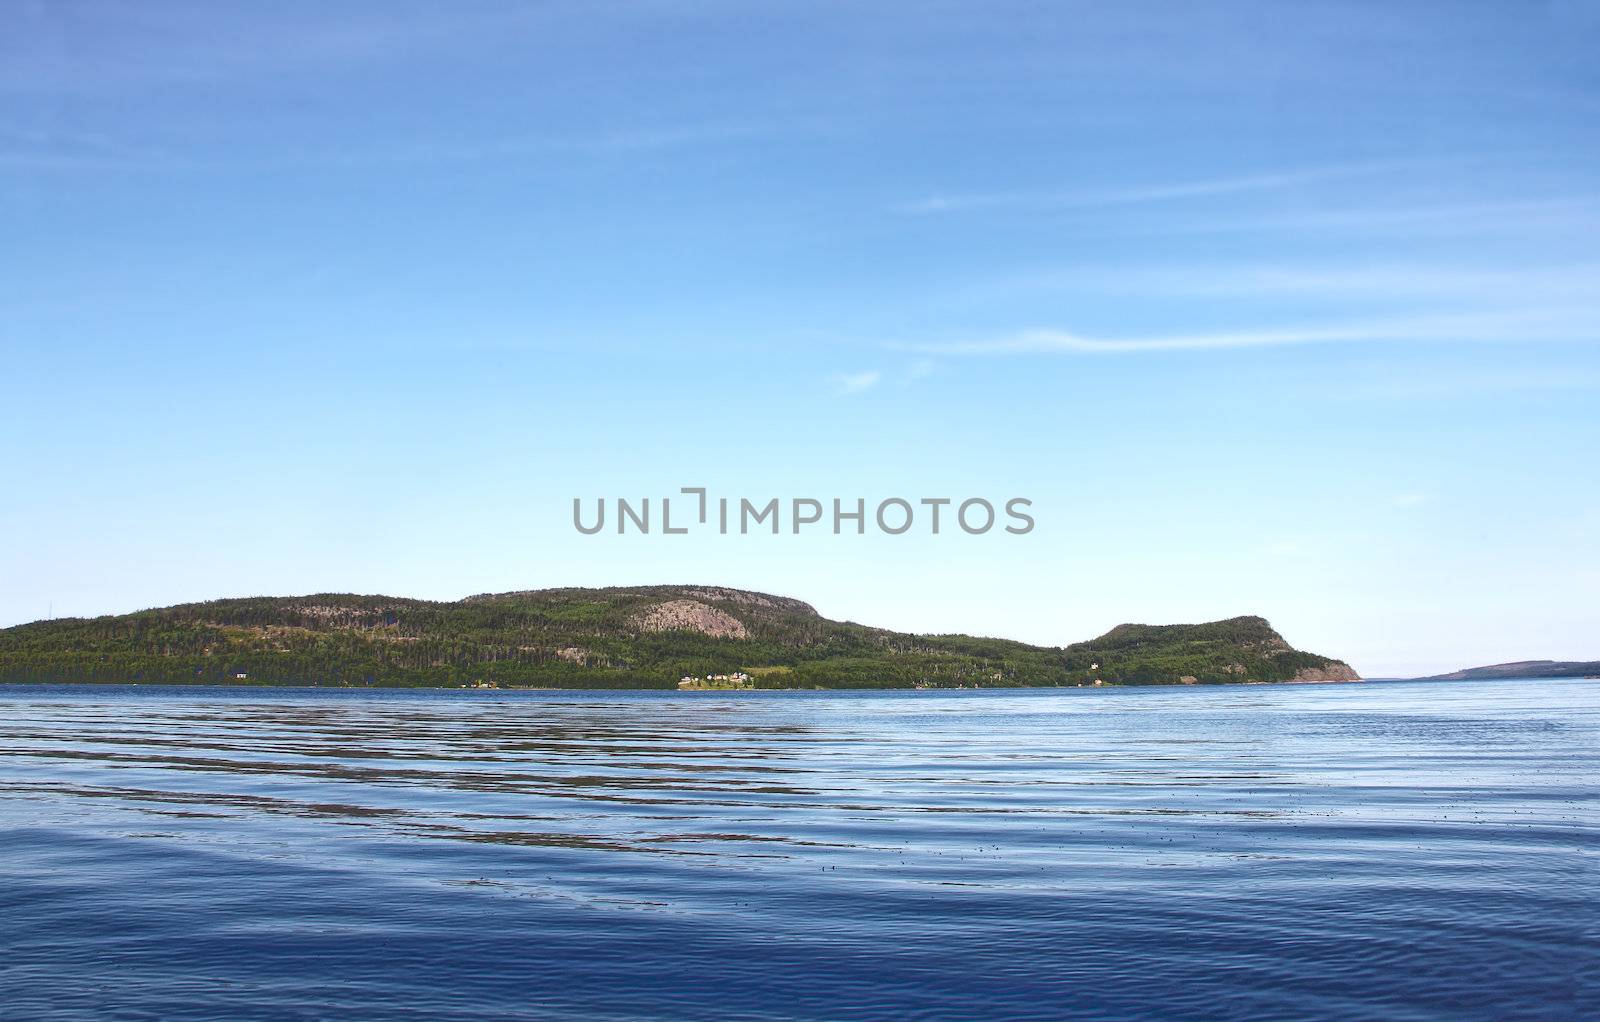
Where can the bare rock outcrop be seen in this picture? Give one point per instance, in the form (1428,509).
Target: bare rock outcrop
(1335,670)
(691,616)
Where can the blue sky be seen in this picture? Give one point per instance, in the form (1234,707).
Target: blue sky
(1277,309)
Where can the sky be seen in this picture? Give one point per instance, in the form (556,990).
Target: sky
(1271,309)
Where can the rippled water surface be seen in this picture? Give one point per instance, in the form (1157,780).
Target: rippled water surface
(1377,851)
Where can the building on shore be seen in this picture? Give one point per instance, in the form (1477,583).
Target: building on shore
(738,679)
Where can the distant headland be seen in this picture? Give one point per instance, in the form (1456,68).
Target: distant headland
(646,637)
(1524,669)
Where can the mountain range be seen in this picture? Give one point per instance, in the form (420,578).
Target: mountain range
(634,637)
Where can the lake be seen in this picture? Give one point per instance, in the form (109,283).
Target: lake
(1388,850)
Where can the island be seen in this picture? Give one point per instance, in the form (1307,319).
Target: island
(647,637)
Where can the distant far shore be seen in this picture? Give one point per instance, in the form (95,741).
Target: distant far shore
(644,637)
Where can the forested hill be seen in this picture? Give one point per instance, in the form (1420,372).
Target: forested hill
(1525,669)
(644,637)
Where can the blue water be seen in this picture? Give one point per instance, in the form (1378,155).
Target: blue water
(1381,851)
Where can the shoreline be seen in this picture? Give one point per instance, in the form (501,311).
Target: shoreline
(58,685)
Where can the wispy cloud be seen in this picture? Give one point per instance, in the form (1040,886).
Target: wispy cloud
(1035,199)
(1443,218)
(1542,325)
(856,383)
(50,151)
(1516,284)
(1399,281)
(1131,213)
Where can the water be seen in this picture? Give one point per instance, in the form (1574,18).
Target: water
(1381,851)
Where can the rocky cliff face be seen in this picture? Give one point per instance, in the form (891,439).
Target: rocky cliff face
(692,616)
(1338,670)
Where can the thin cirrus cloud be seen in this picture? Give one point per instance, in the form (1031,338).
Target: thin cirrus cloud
(1520,216)
(1244,183)
(42,151)
(1569,284)
(856,383)
(1544,325)
(1560,214)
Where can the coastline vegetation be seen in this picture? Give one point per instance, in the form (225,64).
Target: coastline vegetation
(602,639)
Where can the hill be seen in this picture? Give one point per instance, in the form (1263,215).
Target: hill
(636,637)
(1524,669)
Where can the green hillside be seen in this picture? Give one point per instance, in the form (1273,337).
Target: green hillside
(1524,669)
(644,637)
